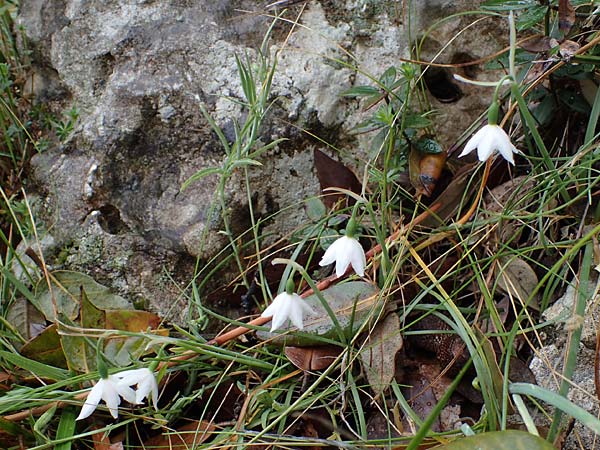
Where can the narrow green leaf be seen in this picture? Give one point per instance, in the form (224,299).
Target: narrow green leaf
(199,175)
(37,368)
(41,424)
(244,162)
(558,401)
(66,429)
(361,91)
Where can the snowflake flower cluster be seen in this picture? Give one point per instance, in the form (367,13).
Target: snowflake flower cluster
(345,251)
(114,387)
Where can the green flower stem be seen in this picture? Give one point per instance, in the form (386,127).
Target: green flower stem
(513,46)
(290,287)
(100,363)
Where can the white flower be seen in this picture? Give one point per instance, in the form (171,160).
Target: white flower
(110,390)
(287,306)
(343,252)
(488,139)
(146,384)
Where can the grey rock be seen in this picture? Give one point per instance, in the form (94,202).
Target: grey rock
(138,72)
(548,362)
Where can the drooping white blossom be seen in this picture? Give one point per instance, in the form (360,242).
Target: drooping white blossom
(287,306)
(345,251)
(146,384)
(489,139)
(110,390)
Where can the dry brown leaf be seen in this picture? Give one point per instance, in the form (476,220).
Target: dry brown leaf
(379,352)
(102,442)
(313,358)
(566,16)
(518,279)
(184,438)
(568,49)
(539,44)
(332,173)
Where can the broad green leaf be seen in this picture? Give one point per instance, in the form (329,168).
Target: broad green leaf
(80,354)
(531,17)
(90,316)
(416,121)
(388,77)
(66,293)
(39,369)
(353,303)
(315,209)
(499,440)
(46,348)
(79,351)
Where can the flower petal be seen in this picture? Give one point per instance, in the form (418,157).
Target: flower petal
(111,397)
(506,148)
(287,306)
(472,143)
(358,259)
(91,401)
(329,255)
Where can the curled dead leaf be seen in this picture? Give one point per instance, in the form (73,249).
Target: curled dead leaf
(313,358)
(517,279)
(379,352)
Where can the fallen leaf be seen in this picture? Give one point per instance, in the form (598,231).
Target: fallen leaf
(184,437)
(379,353)
(517,279)
(26,318)
(125,350)
(568,49)
(566,16)
(102,442)
(313,358)
(453,196)
(332,173)
(80,355)
(539,44)
(63,299)
(46,348)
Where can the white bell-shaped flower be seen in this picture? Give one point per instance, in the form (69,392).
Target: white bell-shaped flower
(344,252)
(287,306)
(109,389)
(489,139)
(146,384)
